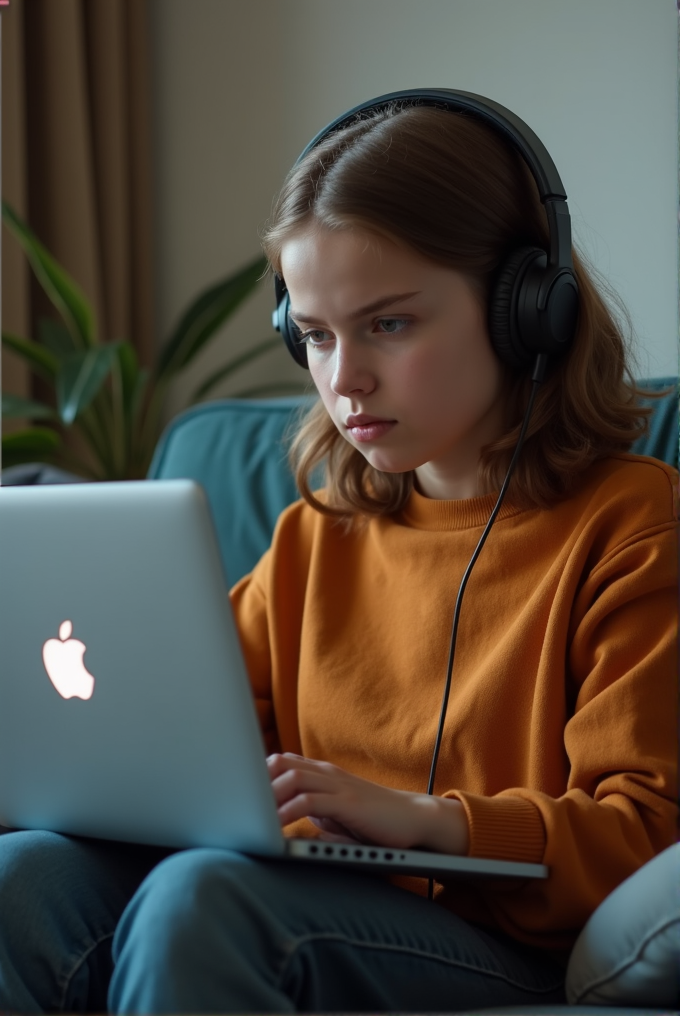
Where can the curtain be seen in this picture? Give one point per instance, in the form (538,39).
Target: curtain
(76,161)
(15,308)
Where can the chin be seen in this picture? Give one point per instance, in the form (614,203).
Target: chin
(388,464)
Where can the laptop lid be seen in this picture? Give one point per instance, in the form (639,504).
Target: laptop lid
(125,709)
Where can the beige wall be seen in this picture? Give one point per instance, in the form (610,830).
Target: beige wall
(241,85)
(220,152)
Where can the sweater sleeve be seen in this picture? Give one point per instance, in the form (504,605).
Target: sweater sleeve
(249,603)
(268,608)
(272,660)
(620,739)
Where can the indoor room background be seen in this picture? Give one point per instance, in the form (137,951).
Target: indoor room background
(237,88)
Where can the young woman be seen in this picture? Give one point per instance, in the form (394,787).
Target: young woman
(559,743)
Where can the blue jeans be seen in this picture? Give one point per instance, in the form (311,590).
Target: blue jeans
(87,925)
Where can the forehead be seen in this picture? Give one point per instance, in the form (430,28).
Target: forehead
(335,244)
(350,264)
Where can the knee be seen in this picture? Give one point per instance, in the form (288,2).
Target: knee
(34,877)
(194,939)
(177,902)
(33,867)
(29,855)
(174,923)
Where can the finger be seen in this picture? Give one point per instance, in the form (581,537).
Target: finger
(295,782)
(332,831)
(279,763)
(329,825)
(305,804)
(288,755)
(336,838)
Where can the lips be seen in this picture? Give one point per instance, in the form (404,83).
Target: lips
(365,428)
(363,420)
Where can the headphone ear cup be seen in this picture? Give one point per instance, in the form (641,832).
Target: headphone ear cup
(283,324)
(504,325)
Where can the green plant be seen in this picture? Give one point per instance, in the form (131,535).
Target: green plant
(99,389)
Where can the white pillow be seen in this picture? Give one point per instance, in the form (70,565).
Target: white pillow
(629,951)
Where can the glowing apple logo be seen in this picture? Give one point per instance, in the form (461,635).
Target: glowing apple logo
(63,659)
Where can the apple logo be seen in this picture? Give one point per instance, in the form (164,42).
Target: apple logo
(63,659)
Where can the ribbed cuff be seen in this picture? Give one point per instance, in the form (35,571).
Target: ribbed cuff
(302,829)
(506,828)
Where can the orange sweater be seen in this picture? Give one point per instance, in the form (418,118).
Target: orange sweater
(560,738)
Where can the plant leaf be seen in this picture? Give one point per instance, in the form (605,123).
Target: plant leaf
(16,406)
(205,315)
(140,401)
(139,392)
(128,364)
(61,289)
(81,376)
(124,386)
(55,336)
(37,444)
(236,364)
(44,363)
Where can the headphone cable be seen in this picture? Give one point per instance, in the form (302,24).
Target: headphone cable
(537,376)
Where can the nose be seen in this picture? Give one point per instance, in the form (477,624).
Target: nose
(351,371)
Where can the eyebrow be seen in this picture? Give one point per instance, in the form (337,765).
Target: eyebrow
(370,308)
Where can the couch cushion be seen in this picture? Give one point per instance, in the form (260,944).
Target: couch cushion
(661,439)
(629,951)
(237,450)
(238,445)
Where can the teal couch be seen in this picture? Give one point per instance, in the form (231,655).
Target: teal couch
(236,450)
(627,959)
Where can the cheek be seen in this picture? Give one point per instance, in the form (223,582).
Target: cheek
(322,375)
(468,380)
(426,380)
(315,372)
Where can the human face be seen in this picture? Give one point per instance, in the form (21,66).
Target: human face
(399,351)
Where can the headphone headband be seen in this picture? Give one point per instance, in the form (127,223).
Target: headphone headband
(516,131)
(535,306)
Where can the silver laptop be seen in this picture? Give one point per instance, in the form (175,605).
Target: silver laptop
(125,707)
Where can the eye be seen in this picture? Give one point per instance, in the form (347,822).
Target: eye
(314,337)
(391,326)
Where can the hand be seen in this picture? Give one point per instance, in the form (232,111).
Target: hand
(349,809)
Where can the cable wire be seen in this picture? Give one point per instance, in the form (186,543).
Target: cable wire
(537,376)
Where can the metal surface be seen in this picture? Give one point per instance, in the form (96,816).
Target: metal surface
(154,755)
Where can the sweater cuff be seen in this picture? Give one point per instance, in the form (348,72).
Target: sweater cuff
(302,829)
(506,828)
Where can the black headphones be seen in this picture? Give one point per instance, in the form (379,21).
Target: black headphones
(534,303)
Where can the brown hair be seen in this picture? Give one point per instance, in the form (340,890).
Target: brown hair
(450,189)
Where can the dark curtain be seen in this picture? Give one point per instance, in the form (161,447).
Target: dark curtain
(76,161)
